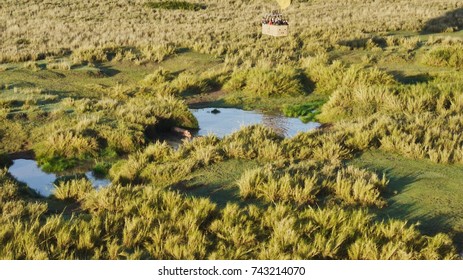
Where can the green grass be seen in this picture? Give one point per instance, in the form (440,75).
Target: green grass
(190,61)
(251,195)
(56,164)
(176,5)
(407,66)
(91,81)
(78,82)
(306,112)
(420,191)
(217,182)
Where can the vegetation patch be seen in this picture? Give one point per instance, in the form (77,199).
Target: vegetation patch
(56,164)
(391,152)
(306,112)
(264,82)
(417,191)
(445,56)
(72,189)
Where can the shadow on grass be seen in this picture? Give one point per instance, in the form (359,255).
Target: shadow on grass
(361,43)
(220,195)
(449,22)
(401,77)
(107,71)
(217,182)
(429,224)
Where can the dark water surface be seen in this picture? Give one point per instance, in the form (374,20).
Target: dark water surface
(27,171)
(229,120)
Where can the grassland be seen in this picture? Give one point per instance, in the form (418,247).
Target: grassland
(419,191)
(96,83)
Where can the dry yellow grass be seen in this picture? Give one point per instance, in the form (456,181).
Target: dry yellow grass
(31,29)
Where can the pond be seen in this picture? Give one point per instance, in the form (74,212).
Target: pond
(220,122)
(27,171)
(223,121)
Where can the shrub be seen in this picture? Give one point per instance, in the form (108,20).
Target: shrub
(157,52)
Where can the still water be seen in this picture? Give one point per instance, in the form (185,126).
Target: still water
(221,123)
(27,171)
(229,120)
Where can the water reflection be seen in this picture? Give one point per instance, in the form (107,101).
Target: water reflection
(278,123)
(28,172)
(230,120)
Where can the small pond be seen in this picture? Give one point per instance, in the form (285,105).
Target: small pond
(220,122)
(223,121)
(27,171)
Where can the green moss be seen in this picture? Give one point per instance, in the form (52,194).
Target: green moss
(57,164)
(101,169)
(306,112)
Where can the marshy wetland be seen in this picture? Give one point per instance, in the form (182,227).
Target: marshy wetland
(365,161)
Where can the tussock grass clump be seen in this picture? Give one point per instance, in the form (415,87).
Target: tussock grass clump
(163,82)
(67,144)
(356,186)
(155,52)
(364,101)
(267,82)
(32,65)
(144,222)
(73,189)
(59,65)
(253,142)
(13,135)
(445,56)
(409,123)
(128,171)
(149,110)
(89,55)
(159,76)
(236,232)
(123,138)
(275,187)
(190,84)
(302,184)
(329,77)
